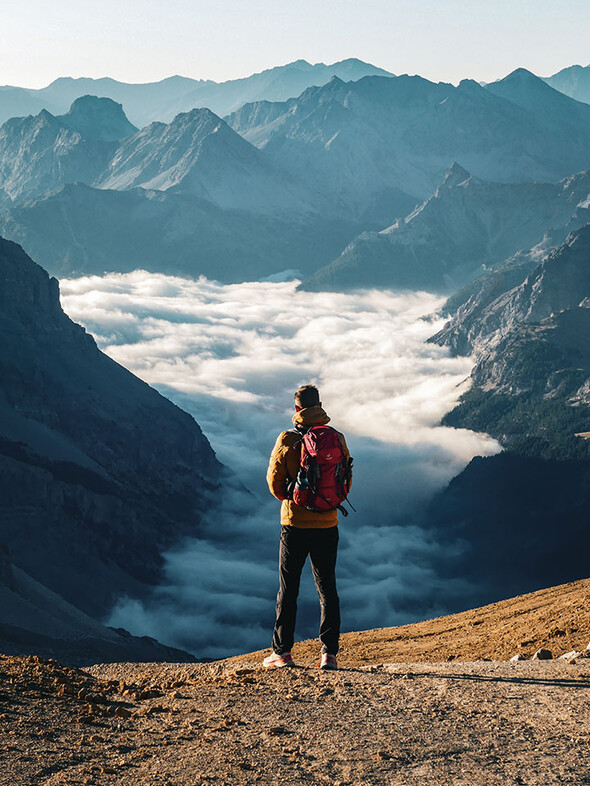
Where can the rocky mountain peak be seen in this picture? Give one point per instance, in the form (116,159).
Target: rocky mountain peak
(98,118)
(454,176)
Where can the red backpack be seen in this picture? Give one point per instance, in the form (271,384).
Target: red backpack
(324,476)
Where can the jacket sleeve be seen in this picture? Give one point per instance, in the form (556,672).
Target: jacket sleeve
(277,473)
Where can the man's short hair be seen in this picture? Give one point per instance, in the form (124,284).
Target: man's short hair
(307,396)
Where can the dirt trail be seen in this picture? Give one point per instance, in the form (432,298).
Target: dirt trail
(232,722)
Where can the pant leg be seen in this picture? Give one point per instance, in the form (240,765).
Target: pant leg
(292,555)
(322,555)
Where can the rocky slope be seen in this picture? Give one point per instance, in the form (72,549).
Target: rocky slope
(466,226)
(39,154)
(531,346)
(482,723)
(99,473)
(199,154)
(522,514)
(558,282)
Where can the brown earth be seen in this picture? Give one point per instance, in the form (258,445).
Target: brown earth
(232,722)
(557,618)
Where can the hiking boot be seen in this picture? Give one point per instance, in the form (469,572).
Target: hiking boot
(276,661)
(328,662)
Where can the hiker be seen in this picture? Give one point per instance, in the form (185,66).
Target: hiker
(309,519)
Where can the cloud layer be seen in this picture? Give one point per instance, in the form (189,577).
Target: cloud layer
(232,356)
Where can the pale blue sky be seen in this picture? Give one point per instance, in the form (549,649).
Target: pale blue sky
(146,40)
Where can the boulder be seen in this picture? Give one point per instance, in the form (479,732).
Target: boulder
(542,654)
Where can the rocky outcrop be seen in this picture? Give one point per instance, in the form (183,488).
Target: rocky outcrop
(98,472)
(532,372)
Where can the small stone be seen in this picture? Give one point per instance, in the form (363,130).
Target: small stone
(570,657)
(383,755)
(542,654)
(276,730)
(516,658)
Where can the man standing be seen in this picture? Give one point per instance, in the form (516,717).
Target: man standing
(311,530)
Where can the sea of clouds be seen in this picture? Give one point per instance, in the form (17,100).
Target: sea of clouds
(232,356)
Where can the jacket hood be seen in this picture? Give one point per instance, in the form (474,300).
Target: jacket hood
(310,416)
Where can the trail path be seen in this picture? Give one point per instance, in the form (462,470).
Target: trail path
(223,723)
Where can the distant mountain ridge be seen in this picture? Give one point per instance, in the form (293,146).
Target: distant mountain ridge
(573,81)
(163,100)
(289,185)
(466,226)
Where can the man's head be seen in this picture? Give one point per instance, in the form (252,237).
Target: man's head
(307,396)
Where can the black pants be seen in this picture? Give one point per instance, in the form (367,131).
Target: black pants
(321,545)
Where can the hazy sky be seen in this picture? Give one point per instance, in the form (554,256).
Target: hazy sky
(147,40)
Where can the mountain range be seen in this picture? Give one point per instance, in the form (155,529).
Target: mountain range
(163,100)
(287,185)
(373,142)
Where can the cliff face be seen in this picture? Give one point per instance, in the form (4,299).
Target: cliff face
(531,378)
(98,471)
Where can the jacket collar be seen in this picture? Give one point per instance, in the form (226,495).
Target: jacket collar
(310,416)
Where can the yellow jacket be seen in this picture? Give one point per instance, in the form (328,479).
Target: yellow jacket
(284,465)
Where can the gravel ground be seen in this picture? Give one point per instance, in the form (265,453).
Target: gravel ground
(226,723)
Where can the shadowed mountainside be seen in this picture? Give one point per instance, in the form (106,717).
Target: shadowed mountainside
(99,472)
